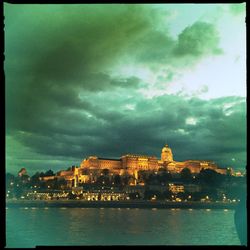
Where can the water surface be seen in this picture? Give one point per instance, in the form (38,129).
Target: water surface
(113,226)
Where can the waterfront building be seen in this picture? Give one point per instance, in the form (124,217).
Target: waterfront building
(47,195)
(106,195)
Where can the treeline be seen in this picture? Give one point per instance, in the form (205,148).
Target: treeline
(210,183)
(16,186)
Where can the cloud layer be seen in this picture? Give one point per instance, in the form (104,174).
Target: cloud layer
(65,97)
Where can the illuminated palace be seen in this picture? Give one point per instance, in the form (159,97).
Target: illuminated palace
(131,164)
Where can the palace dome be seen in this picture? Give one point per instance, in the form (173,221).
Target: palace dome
(165,148)
(166,154)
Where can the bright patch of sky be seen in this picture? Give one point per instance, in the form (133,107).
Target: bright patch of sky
(213,76)
(191,121)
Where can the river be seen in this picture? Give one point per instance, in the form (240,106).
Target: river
(29,227)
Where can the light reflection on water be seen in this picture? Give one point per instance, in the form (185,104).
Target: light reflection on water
(108,226)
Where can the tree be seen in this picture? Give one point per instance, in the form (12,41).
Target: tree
(25,179)
(42,174)
(165,177)
(105,171)
(60,183)
(34,180)
(149,194)
(134,196)
(196,196)
(49,173)
(209,177)
(18,191)
(72,196)
(151,179)
(183,195)
(167,194)
(117,180)
(10,178)
(126,179)
(186,175)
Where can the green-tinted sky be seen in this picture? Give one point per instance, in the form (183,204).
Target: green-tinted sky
(108,80)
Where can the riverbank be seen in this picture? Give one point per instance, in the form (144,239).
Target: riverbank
(119,204)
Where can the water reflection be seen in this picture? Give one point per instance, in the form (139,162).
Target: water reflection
(93,226)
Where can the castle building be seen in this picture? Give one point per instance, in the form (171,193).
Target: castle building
(131,164)
(134,163)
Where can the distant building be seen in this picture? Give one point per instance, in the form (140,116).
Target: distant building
(134,163)
(22,172)
(130,164)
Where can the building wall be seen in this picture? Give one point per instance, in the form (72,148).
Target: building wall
(131,164)
(128,162)
(108,164)
(194,166)
(83,178)
(139,162)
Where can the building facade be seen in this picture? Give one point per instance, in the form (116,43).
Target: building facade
(134,163)
(131,164)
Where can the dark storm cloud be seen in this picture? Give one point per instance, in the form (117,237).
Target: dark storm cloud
(145,129)
(50,60)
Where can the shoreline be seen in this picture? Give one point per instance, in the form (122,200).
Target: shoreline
(119,204)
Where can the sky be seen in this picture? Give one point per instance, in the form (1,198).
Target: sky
(113,79)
